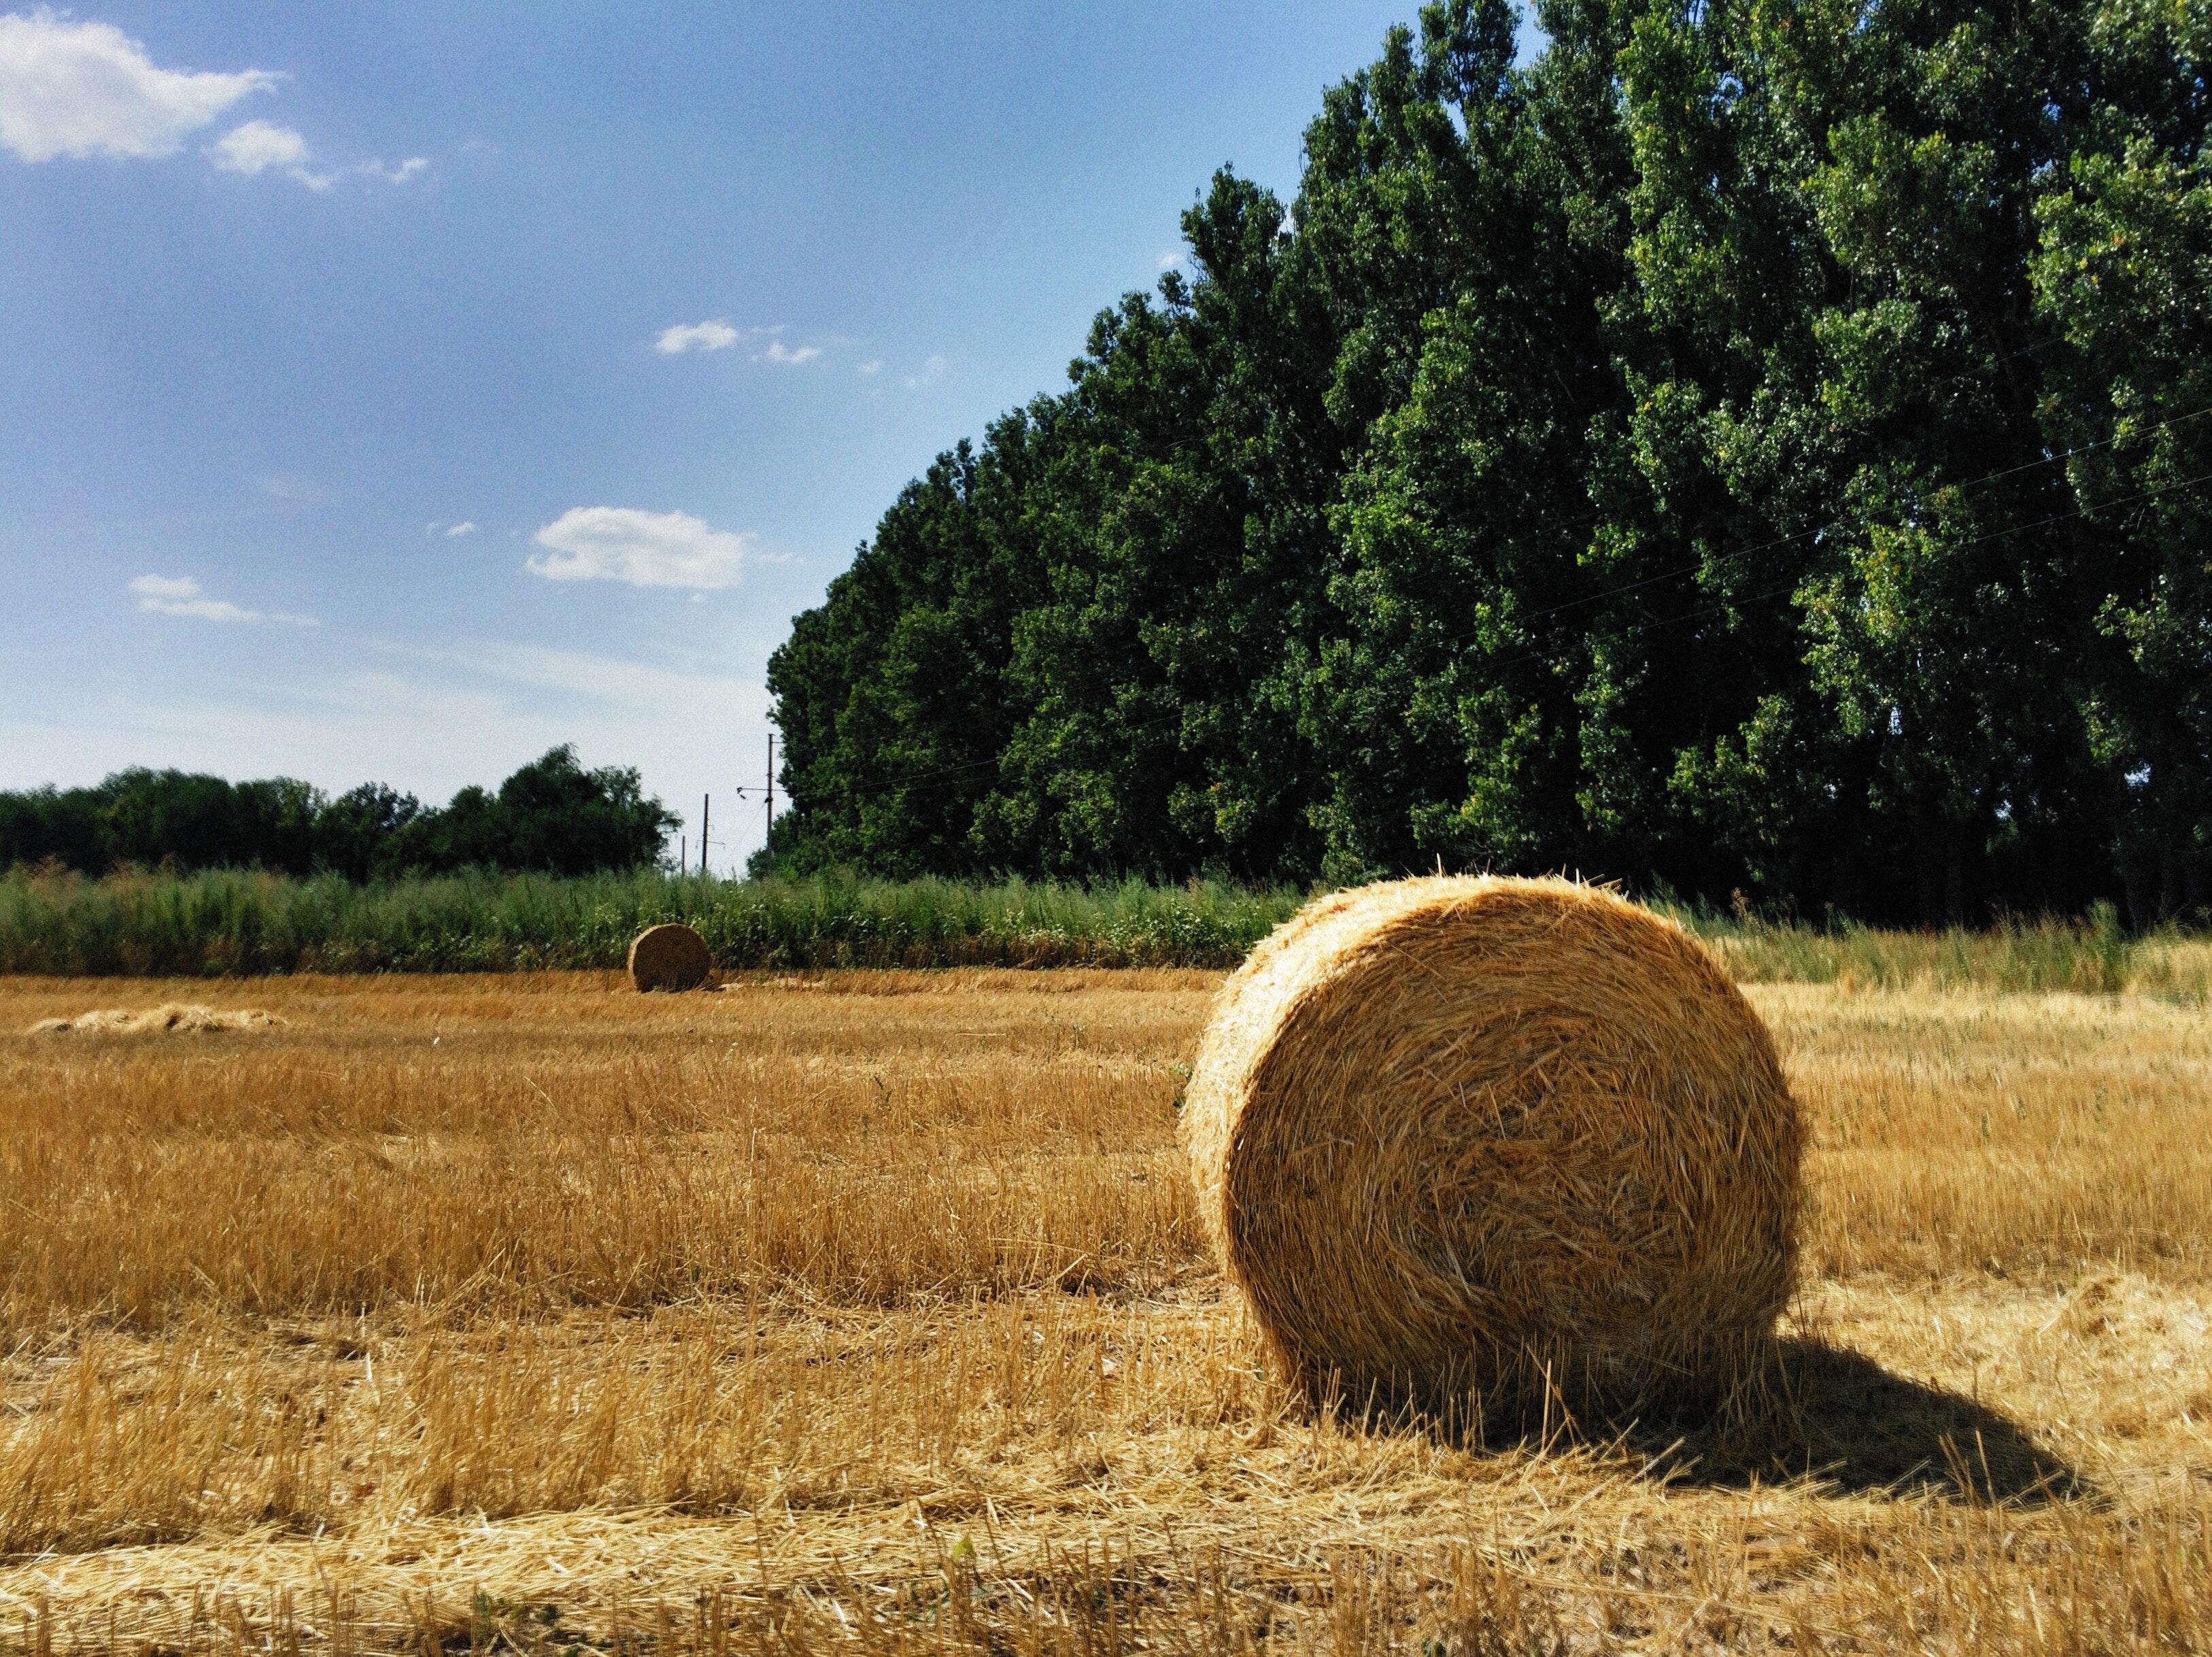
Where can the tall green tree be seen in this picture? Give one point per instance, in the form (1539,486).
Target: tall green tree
(1752,447)
(2123,273)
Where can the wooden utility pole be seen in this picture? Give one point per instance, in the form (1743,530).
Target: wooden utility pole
(706,809)
(768,794)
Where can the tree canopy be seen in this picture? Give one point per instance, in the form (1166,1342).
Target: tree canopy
(551,816)
(1754,447)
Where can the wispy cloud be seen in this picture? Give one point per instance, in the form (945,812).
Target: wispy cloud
(82,89)
(768,346)
(257,146)
(580,673)
(761,344)
(929,373)
(409,170)
(715,336)
(289,489)
(154,588)
(643,549)
(465,527)
(1170,259)
(870,369)
(180,595)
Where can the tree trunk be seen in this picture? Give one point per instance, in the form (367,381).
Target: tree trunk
(1928,862)
(1955,873)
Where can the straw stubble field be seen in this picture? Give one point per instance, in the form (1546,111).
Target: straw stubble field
(873,1312)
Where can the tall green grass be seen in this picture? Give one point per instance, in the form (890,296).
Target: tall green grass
(2088,956)
(242,923)
(227,922)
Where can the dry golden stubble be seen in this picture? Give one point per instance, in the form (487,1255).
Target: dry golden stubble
(1500,1146)
(532,1140)
(437,1143)
(786,1450)
(909,1441)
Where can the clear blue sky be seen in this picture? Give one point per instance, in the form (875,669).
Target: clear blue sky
(291,294)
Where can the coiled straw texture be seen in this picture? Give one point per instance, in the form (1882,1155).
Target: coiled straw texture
(669,956)
(1500,1148)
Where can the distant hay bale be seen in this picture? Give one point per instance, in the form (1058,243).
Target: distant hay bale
(170,1018)
(670,956)
(1495,1147)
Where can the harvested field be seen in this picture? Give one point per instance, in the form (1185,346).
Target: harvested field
(873,1311)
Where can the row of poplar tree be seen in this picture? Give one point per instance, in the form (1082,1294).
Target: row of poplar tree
(1750,447)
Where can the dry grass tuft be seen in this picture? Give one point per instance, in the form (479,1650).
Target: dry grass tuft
(1515,1139)
(171,1017)
(669,956)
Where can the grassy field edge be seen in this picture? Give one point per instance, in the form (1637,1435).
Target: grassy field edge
(245,923)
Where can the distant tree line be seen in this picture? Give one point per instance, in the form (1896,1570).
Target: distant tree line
(1749,447)
(552,815)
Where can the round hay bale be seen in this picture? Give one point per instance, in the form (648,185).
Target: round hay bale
(1495,1146)
(669,956)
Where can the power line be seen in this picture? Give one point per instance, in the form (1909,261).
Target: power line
(768,795)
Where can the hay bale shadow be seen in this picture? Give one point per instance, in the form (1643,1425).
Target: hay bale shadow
(1817,1414)
(1836,1417)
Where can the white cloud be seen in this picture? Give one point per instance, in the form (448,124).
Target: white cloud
(465,527)
(761,344)
(871,369)
(774,350)
(256,146)
(715,336)
(413,168)
(180,595)
(207,609)
(1169,261)
(81,89)
(931,371)
(166,586)
(645,548)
